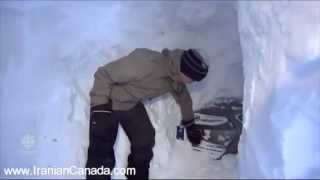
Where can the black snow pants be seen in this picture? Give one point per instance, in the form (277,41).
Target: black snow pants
(103,133)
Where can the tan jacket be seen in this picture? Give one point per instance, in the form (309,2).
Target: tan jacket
(141,75)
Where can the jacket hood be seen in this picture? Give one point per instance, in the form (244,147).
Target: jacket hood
(172,58)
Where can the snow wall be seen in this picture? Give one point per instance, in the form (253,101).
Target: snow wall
(281,51)
(49,52)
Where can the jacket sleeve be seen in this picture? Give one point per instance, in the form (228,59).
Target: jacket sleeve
(184,100)
(99,94)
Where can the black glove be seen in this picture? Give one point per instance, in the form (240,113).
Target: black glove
(194,133)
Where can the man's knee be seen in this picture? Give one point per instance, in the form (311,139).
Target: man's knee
(100,149)
(144,141)
(141,150)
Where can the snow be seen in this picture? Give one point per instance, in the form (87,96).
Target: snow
(50,50)
(267,52)
(281,48)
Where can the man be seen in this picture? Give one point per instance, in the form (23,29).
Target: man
(116,98)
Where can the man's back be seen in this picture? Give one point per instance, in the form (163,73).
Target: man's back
(142,74)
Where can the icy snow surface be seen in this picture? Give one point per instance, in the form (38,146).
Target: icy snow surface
(281,48)
(50,50)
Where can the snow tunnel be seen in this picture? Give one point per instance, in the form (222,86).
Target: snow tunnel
(266,53)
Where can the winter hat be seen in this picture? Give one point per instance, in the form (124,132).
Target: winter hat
(193,65)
